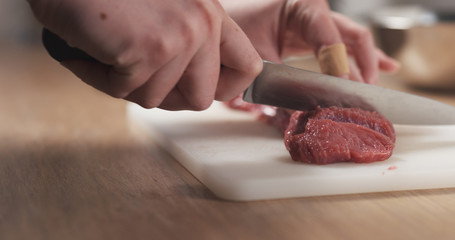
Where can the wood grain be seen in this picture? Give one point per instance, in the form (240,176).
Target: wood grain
(73,167)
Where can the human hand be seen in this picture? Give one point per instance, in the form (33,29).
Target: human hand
(168,54)
(279,28)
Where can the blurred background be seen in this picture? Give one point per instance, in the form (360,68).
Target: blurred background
(362,11)
(17,24)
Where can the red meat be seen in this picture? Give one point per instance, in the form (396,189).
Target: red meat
(328,135)
(333,135)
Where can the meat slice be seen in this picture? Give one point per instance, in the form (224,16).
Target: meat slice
(330,135)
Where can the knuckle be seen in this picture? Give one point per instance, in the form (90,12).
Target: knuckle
(209,12)
(209,8)
(118,93)
(123,83)
(123,54)
(224,96)
(149,103)
(256,67)
(188,35)
(363,34)
(120,59)
(252,67)
(162,48)
(200,104)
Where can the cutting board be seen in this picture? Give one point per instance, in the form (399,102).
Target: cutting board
(239,158)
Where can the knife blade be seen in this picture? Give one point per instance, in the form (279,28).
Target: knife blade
(288,87)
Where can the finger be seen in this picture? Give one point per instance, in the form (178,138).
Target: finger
(160,84)
(312,22)
(121,81)
(93,73)
(199,81)
(195,90)
(364,55)
(322,32)
(317,29)
(113,81)
(355,73)
(174,101)
(193,76)
(386,63)
(360,43)
(241,62)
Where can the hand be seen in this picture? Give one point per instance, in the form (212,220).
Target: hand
(173,55)
(279,28)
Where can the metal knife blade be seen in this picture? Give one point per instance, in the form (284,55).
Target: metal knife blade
(288,87)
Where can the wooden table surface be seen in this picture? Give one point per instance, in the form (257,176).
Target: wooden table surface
(73,167)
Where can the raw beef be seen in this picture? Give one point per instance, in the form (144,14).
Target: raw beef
(328,135)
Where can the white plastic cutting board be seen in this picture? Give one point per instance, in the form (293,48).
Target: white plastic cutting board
(239,158)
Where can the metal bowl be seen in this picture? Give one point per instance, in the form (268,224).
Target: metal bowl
(423,41)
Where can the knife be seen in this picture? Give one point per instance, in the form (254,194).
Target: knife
(288,87)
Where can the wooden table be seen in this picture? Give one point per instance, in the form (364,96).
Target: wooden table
(73,167)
